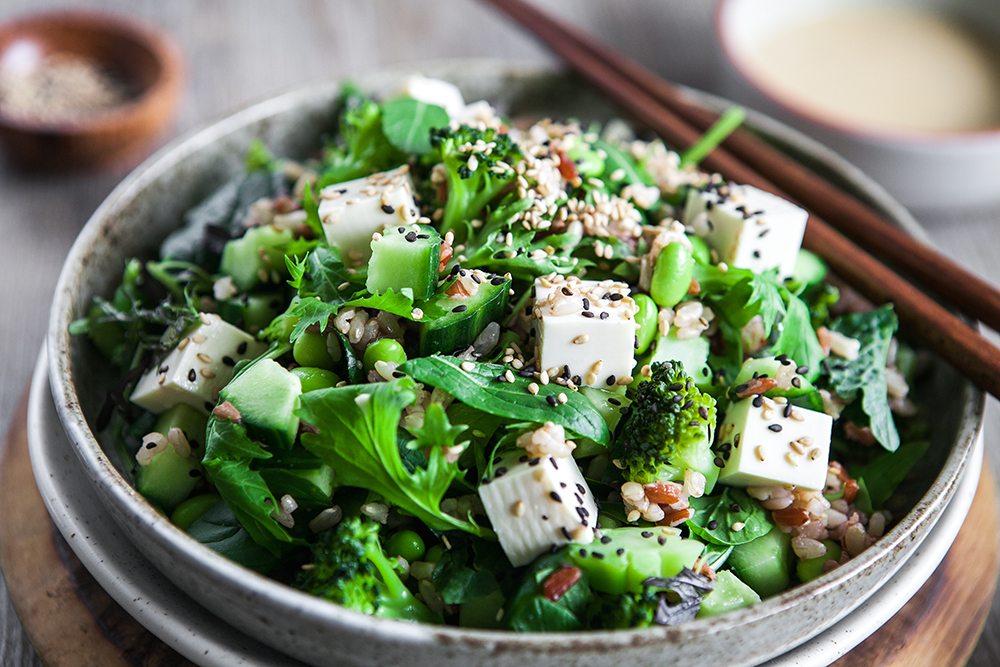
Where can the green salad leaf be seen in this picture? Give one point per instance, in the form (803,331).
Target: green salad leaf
(715,517)
(797,338)
(888,470)
(407,123)
(220,531)
(481,389)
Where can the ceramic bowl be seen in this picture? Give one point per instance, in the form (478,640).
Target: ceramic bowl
(923,170)
(150,202)
(147,60)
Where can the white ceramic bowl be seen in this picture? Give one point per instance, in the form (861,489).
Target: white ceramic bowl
(150,202)
(923,170)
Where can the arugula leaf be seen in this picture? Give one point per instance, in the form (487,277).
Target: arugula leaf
(480,389)
(397,303)
(887,471)
(355,368)
(220,531)
(407,123)
(457,582)
(866,374)
(309,312)
(363,148)
(228,454)
(357,438)
(324,274)
(734,506)
(797,338)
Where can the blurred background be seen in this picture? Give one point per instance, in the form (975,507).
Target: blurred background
(240,51)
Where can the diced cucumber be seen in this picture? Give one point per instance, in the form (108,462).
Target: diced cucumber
(812,568)
(266,396)
(768,367)
(630,555)
(190,420)
(463,319)
(763,564)
(809,269)
(253,258)
(405,258)
(692,352)
(609,402)
(192,508)
(729,593)
(252,312)
(168,479)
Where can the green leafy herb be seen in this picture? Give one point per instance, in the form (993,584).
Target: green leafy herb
(363,148)
(258,158)
(727,123)
(866,374)
(798,338)
(407,123)
(739,295)
(220,531)
(481,389)
(357,438)
(456,582)
(528,610)
(887,471)
(715,516)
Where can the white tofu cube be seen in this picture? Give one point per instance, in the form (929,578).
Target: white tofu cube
(534,503)
(587,326)
(764,442)
(198,368)
(747,227)
(434,91)
(351,212)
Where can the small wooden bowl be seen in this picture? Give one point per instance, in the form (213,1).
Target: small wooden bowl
(149,61)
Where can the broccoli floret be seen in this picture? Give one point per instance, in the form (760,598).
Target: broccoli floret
(349,567)
(363,148)
(661,602)
(668,430)
(620,612)
(474,177)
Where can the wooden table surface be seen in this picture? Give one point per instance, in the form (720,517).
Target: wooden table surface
(239,51)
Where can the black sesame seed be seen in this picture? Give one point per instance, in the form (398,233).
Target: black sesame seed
(605,540)
(775,427)
(523,459)
(497,281)
(735,507)
(802,370)
(736,441)
(604,315)
(555,496)
(501,378)
(228,361)
(388,209)
(398,374)
(620,552)
(742,388)
(695,423)
(241,349)
(787,412)
(562,485)
(676,399)
(582,489)
(796,382)
(565,532)
(756,254)
(411,237)
(475,278)
(534,462)
(758,401)
(610,381)
(646,534)
(553,462)
(151,445)
(616,297)
(427,236)
(498,255)
(598,555)
(579,500)
(588,313)
(499,472)
(703,411)
(719,463)
(552,400)
(712,525)
(662,540)
(192,376)
(687,404)
(577,380)
(583,553)
(586,303)
(545,517)
(614,401)
(460,309)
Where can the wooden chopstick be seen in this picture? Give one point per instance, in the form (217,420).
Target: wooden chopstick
(964,347)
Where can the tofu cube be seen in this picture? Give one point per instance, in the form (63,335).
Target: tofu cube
(198,368)
(747,227)
(765,442)
(534,503)
(587,326)
(351,212)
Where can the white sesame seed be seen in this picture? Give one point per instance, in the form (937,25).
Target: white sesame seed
(198,339)
(533,389)
(814,454)
(416,313)
(792,459)
(518,509)
(203,358)
(510,376)
(468,366)
(738,526)
(760,452)
(581,339)
(563,397)
(207,373)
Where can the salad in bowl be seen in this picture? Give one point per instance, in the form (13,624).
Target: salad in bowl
(460,369)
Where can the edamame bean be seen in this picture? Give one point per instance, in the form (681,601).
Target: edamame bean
(646,318)
(434,553)
(672,275)
(309,349)
(812,568)
(407,544)
(315,378)
(699,248)
(384,349)
(188,511)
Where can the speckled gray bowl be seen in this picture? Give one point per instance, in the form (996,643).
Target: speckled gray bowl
(149,203)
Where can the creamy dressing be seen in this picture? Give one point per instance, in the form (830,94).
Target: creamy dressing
(886,68)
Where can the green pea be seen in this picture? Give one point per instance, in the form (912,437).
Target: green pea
(672,275)
(309,349)
(812,568)
(434,553)
(702,253)
(406,544)
(192,508)
(647,319)
(384,349)
(315,378)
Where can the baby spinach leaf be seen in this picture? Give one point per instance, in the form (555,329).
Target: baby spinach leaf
(358,438)
(866,374)
(219,530)
(457,582)
(407,123)
(798,338)
(481,389)
(887,471)
(715,516)
(739,295)
(528,610)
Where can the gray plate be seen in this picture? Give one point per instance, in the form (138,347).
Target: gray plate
(150,202)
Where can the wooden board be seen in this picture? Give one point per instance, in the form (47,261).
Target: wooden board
(72,622)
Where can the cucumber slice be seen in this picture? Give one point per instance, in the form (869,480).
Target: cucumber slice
(266,396)
(252,312)
(812,568)
(254,258)
(405,258)
(168,479)
(628,556)
(809,269)
(188,419)
(763,564)
(463,319)
(729,593)
(692,352)
(768,367)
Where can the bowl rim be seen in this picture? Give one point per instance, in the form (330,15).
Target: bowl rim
(161,45)
(885,135)
(114,487)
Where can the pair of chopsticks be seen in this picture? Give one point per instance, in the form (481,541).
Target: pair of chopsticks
(745,159)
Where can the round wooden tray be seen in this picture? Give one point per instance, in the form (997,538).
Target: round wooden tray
(72,622)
